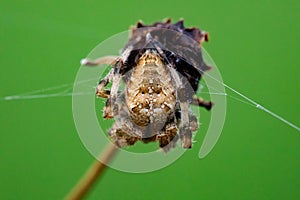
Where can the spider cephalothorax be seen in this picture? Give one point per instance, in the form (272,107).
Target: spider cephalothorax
(161,66)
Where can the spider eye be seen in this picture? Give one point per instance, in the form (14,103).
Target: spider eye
(143,92)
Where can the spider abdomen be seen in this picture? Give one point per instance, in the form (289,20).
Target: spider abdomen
(150,93)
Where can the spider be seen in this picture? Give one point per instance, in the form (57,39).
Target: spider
(161,66)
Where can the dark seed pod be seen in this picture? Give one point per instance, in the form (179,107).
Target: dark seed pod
(161,66)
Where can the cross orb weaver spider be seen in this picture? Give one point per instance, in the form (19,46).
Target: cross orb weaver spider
(161,66)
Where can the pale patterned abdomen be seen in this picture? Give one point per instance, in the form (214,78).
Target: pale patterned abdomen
(150,92)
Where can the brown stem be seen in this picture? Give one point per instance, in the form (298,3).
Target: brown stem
(91,175)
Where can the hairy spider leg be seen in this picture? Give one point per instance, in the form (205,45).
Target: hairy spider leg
(107,60)
(111,108)
(184,126)
(100,91)
(197,101)
(193,122)
(167,139)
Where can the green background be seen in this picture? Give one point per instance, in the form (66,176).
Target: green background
(256,47)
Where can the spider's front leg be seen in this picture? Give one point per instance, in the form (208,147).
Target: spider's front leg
(111,109)
(111,76)
(107,60)
(114,75)
(100,91)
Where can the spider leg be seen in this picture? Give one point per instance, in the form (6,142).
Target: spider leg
(197,101)
(109,60)
(111,108)
(100,91)
(185,131)
(182,99)
(193,122)
(106,60)
(103,93)
(168,138)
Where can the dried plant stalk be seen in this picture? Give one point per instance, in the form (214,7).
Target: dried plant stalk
(92,174)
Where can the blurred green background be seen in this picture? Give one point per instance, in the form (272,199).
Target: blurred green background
(256,47)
